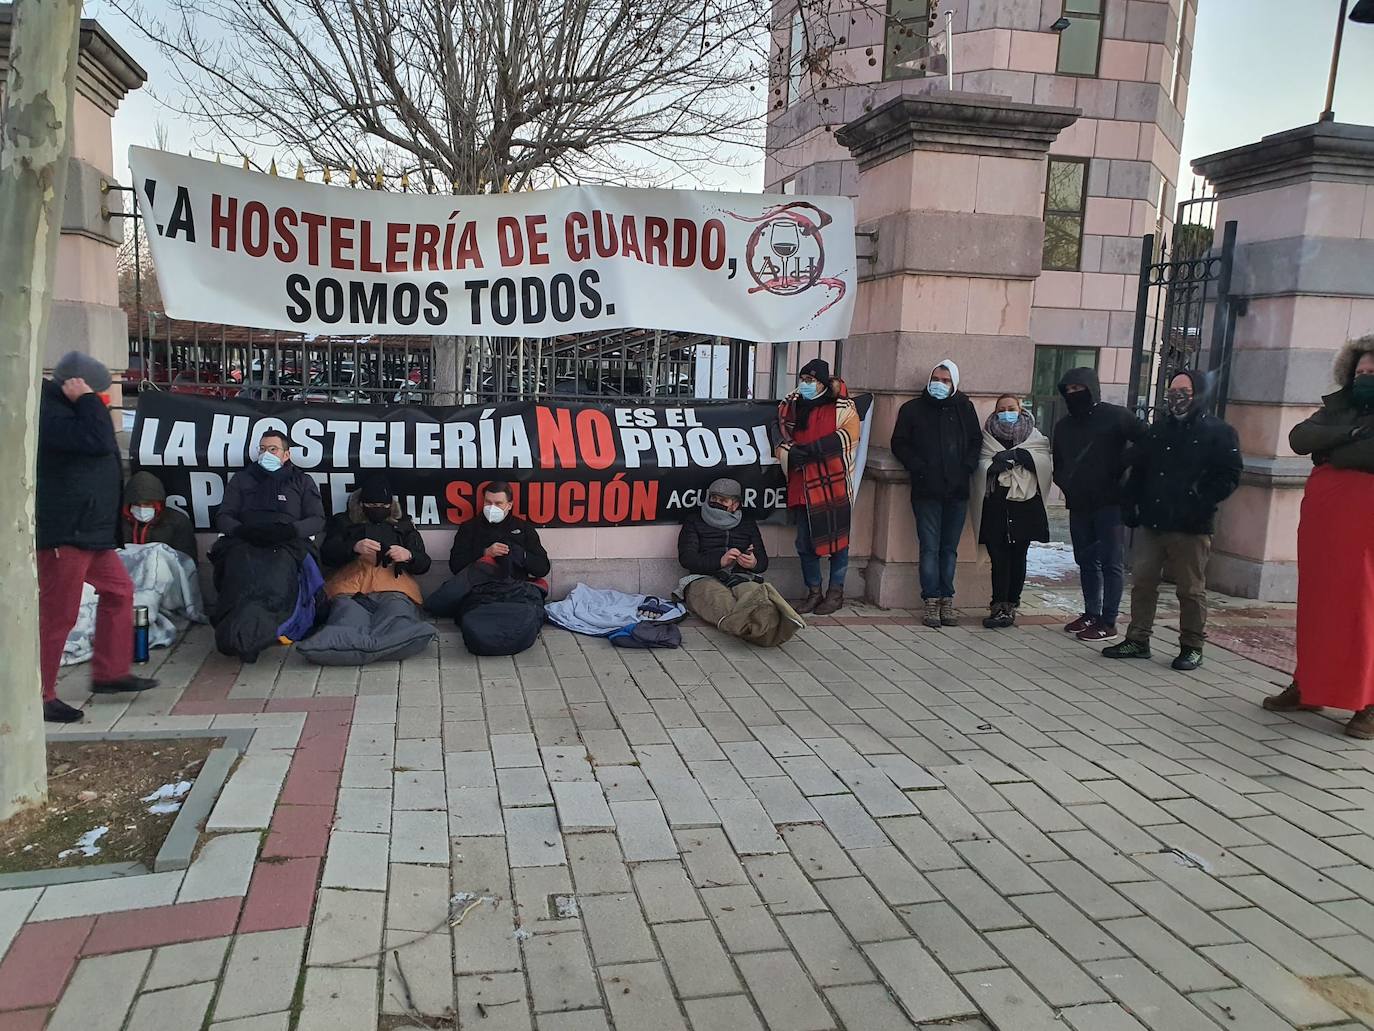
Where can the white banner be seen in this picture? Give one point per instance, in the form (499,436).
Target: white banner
(249,249)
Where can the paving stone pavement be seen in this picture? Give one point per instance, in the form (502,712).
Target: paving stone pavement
(877,826)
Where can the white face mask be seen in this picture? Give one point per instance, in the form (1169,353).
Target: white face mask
(143,513)
(494,513)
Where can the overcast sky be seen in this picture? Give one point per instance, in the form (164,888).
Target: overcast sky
(1260,67)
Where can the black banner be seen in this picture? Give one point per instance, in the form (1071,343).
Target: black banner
(595,464)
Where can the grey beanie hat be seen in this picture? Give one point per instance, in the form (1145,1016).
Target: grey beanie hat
(726,488)
(75,365)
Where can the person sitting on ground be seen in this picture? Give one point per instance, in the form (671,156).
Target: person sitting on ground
(722,549)
(265,569)
(1007,500)
(77,531)
(499,578)
(147,519)
(372,546)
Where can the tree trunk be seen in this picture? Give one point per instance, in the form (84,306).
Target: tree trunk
(35,137)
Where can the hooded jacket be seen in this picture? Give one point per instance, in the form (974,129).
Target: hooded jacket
(350,526)
(939,442)
(79,473)
(1339,432)
(527,555)
(167,527)
(1090,450)
(1183,468)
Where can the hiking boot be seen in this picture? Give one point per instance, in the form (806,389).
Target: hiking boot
(122,685)
(993,621)
(1188,659)
(1361,725)
(55,710)
(1099,631)
(1009,614)
(932,617)
(1080,624)
(809,603)
(947,616)
(1127,649)
(1289,700)
(834,601)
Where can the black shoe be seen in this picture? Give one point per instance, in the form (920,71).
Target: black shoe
(1127,649)
(130,683)
(1188,659)
(55,710)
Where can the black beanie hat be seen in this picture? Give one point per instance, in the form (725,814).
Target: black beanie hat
(376,490)
(818,367)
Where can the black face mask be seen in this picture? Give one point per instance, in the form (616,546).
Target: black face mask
(1362,389)
(377,513)
(1079,402)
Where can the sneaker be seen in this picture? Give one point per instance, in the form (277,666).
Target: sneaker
(947,616)
(1127,649)
(55,710)
(122,685)
(1188,659)
(932,616)
(1361,725)
(1289,700)
(1080,624)
(1099,632)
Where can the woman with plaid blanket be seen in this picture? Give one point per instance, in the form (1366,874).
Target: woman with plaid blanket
(820,436)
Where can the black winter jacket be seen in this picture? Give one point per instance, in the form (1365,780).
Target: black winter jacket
(1090,451)
(79,473)
(473,538)
(169,527)
(349,527)
(939,442)
(1012,522)
(255,497)
(700,545)
(1338,433)
(1182,470)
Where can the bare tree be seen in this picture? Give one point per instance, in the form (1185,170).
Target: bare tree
(473,94)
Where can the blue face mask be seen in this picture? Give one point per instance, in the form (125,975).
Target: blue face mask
(809,390)
(269,461)
(1008,418)
(938,390)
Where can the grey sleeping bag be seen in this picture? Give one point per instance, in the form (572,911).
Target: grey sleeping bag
(368,628)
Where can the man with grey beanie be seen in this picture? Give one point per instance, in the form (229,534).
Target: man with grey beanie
(77,531)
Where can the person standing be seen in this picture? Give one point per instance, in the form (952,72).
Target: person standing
(939,440)
(1186,465)
(1089,452)
(1008,502)
(1336,550)
(77,520)
(820,431)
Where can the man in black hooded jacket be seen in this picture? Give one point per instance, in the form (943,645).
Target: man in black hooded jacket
(1188,463)
(1090,446)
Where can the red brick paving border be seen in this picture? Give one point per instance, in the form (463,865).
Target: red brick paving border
(163,925)
(40,959)
(23,1020)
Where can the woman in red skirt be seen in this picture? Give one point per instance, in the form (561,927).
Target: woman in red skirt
(1336,550)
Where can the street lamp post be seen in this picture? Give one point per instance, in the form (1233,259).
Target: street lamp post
(1363,13)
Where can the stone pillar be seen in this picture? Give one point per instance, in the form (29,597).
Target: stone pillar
(949,212)
(1303,201)
(86,315)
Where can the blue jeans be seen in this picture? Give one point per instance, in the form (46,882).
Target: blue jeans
(811,562)
(938,526)
(1099,548)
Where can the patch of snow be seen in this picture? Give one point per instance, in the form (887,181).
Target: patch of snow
(1051,562)
(163,808)
(176,790)
(86,844)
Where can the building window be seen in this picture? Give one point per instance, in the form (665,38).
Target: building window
(796,50)
(1066,193)
(789,185)
(1080,45)
(1051,363)
(904,38)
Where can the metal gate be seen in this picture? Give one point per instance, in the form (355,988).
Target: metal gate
(1185,317)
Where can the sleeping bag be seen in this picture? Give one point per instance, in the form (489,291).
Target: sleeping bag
(369,628)
(264,592)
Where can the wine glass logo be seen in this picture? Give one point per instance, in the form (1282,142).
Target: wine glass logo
(784,239)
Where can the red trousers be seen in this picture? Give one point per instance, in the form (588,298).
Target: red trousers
(61,574)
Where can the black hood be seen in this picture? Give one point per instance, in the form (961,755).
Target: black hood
(1083,377)
(1204,387)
